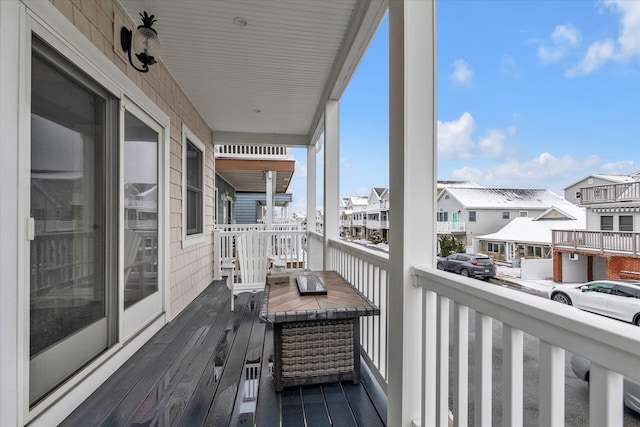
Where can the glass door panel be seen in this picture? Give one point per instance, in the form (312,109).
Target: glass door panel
(142,301)
(69,299)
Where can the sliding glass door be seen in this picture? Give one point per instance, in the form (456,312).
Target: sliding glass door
(73,186)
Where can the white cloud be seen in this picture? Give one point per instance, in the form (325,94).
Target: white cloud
(622,167)
(544,171)
(564,37)
(462,75)
(597,55)
(455,139)
(510,66)
(624,49)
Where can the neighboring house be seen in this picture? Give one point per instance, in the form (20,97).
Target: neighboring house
(251,208)
(358,207)
(469,212)
(528,237)
(225,198)
(609,246)
(573,194)
(377,213)
(246,176)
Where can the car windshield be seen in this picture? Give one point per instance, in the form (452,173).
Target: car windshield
(484,261)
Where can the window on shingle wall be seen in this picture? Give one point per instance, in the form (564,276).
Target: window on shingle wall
(193,193)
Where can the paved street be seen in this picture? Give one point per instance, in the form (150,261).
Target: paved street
(576,390)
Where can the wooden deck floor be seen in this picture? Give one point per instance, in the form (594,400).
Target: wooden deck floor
(212,367)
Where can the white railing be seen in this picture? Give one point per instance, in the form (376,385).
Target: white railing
(287,246)
(50,226)
(151,205)
(141,224)
(443,227)
(612,346)
(252,151)
(377,225)
(628,191)
(368,271)
(614,242)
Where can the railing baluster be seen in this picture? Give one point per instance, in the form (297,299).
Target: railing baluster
(482,370)
(460,365)
(512,376)
(429,357)
(443,362)
(551,405)
(605,397)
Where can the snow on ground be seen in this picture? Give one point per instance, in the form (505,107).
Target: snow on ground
(512,275)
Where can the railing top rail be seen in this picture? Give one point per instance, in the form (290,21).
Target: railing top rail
(377,258)
(607,342)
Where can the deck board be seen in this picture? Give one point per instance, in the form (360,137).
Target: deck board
(203,368)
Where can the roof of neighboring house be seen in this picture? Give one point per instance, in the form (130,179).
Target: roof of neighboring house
(468,184)
(531,230)
(358,200)
(614,179)
(506,198)
(379,190)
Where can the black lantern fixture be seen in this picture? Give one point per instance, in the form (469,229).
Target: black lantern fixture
(144,43)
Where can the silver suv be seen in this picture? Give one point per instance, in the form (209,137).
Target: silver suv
(470,265)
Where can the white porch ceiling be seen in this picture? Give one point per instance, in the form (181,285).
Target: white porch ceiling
(269,80)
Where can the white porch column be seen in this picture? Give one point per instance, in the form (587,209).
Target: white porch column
(412,179)
(268,221)
(331,176)
(311,188)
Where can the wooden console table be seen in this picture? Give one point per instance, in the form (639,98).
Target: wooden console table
(316,337)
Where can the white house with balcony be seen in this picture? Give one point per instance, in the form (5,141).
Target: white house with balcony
(609,246)
(377,212)
(357,218)
(467,212)
(573,192)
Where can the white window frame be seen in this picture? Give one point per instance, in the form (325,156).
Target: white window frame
(199,238)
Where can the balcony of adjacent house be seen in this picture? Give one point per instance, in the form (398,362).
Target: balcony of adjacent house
(614,243)
(449,227)
(610,193)
(252,152)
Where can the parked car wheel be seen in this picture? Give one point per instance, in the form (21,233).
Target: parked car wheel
(561,298)
(636,320)
(464,272)
(440,266)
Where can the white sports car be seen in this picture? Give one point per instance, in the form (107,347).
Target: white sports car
(619,299)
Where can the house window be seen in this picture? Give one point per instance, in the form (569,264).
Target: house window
(625,223)
(505,215)
(578,194)
(443,216)
(606,223)
(493,247)
(472,216)
(524,214)
(193,151)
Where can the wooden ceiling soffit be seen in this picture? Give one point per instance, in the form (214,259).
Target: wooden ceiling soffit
(255,165)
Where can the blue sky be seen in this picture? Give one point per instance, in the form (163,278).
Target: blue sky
(531,94)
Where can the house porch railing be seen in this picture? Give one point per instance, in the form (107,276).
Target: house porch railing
(443,227)
(612,346)
(368,271)
(602,242)
(628,191)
